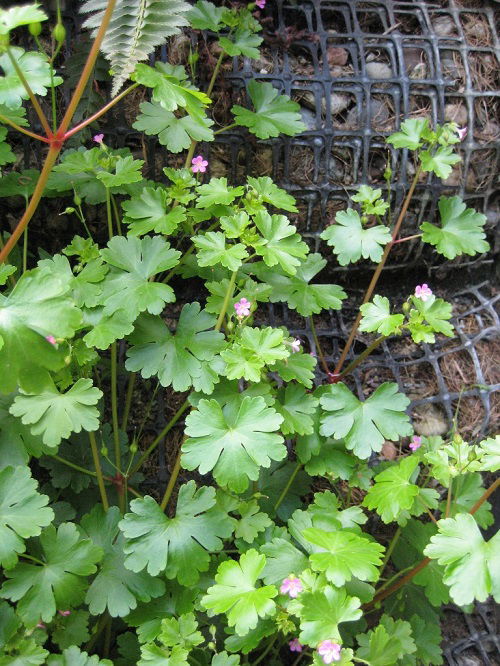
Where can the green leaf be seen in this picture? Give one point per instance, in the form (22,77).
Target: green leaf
(268,192)
(26,653)
(236,593)
(17,444)
(217,191)
(489,451)
(461,230)
(176,359)
(296,407)
(18,116)
(59,582)
(253,638)
(106,329)
(256,348)
(6,154)
(55,415)
(115,588)
(321,611)
(15,16)
(297,366)
(393,492)
(351,242)
(72,630)
(282,558)
(467,490)
(377,317)
(5,271)
(298,294)
(365,425)
(154,655)
(387,644)
(182,631)
(370,200)
(413,132)
(38,306)
(73,656)
(224,659)
(35,69)
(23,512)
(243,42)
(133,262)
(434,314)
(251,521)
(409,550)
(205,16)
(176,545)
(346,555)
(170,88)
(126,171)
(211,249)
(273,114)
(232,442)
(427,639)
(283,245)
(148,211)
(471,564)
(173,132)
(440,162)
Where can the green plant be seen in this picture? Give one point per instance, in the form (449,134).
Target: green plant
(229,565)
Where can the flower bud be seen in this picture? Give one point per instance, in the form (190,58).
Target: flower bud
(104,450)
(406,307)
(133,447)
(77,200)
(59,33)
(35,28)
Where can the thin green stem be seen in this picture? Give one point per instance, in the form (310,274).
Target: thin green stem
(215,73)
(172,480)
(33,559)
(378,271)
(107,638)
(128,400)
(225,129)
(114,417)
(390,548)
(109,216)
(98,629)
(186,254)
(227,298)
(53,96)
(354,364)
(319,351)
(448,499)
(101,112)
(422,501)
(98,469)
(7,121)
(160,437)
(33,99)
(285,490)
(25,250)
(116,213)
(73,465)
(264,654)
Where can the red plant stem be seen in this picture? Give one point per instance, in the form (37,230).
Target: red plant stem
(57,140)
(376,275)
(38,109)
(406,238)
(421,565)
(7,121)
(101,112)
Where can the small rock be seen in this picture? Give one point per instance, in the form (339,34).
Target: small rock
(378,70)
(456,112)
(389,451)
(444,26)
(490,131)
(336,56)
(308,118)
(338,103)
(379,113)
(429,420)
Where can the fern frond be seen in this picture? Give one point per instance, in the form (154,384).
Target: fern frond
(136,28)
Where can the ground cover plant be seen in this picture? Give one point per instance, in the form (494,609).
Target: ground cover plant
(282,536)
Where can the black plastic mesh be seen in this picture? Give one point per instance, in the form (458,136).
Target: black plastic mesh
(399,60)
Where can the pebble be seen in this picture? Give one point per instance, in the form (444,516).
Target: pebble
(378,70)
(444,26)
(430,420)
(338,102)
(456,112)
(336,55)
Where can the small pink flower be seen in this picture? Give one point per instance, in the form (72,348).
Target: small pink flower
(64,613)
(291,586)
(41,625)
(329,651)
(98,138)
(199,164)
(462,133)
(51,339)
(416,442)
(242,308)
(423,292)
(295,646)
(296,345)
(260,3)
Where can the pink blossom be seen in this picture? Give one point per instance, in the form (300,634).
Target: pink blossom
(242,307)
(64,613)
(51,339)
(416,442)
(296,345)
(98,138)
(423,292)
(41,625)
(291,586)
(199,164)
(260,3)
(329,651)
(295,646)
(462,132)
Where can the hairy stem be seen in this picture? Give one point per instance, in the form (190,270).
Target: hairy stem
(378,271)
(172,480)
(7,121)
(98,470)
(31,95)
(215,72)
(285,490)
(390,548)
(227,298)
(128,400)
(407,238)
